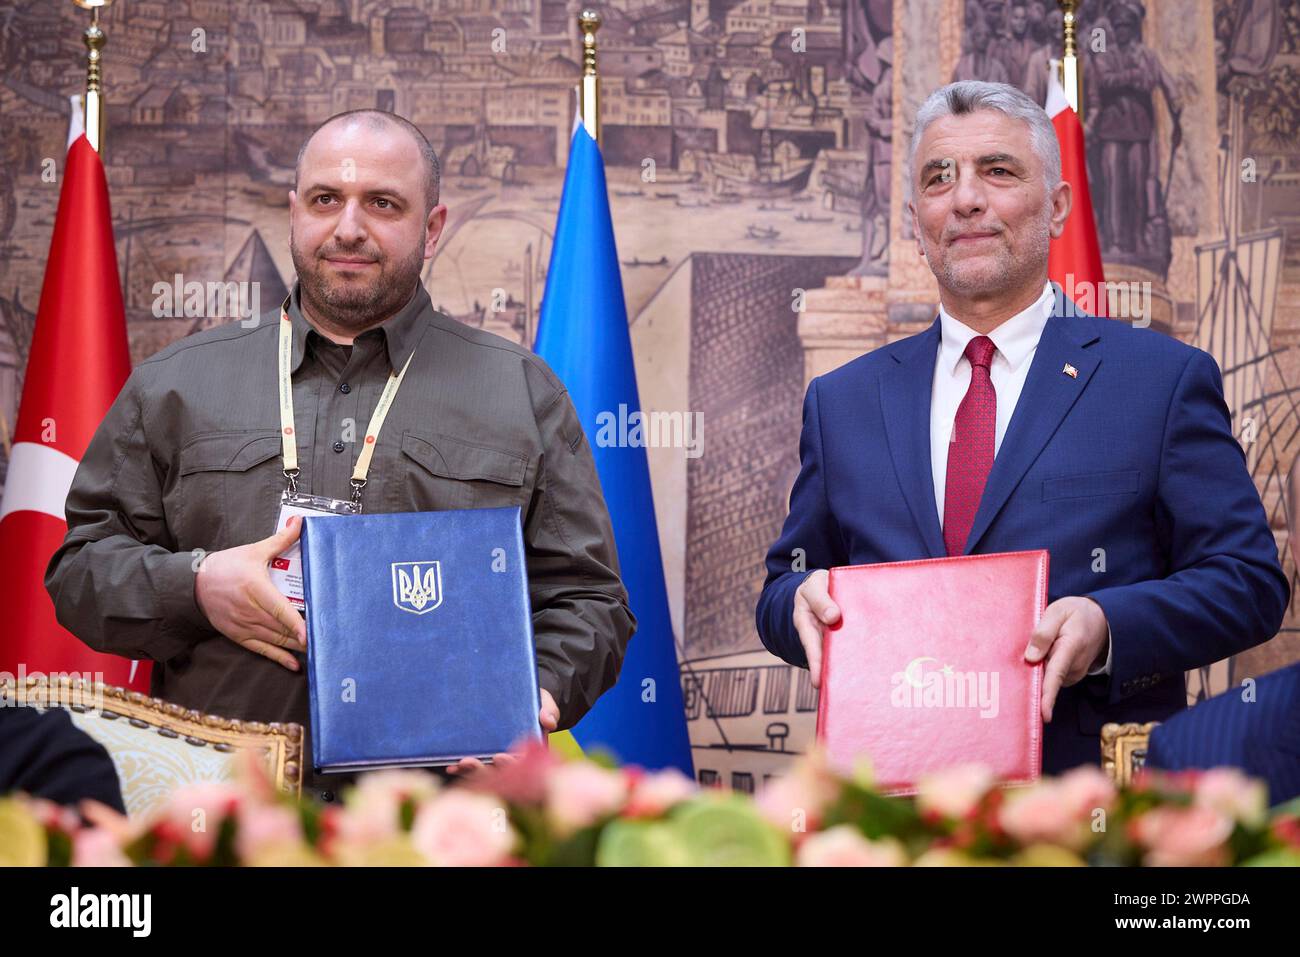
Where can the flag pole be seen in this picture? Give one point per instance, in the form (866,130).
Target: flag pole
(1068,69)
(93,100)
(589,23)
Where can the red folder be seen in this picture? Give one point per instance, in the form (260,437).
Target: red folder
(926,668)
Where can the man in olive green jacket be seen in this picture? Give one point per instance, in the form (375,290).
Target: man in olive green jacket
(172,513)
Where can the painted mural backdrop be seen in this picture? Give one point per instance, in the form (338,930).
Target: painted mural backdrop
(754,151)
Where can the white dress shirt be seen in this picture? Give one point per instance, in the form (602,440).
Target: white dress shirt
(1016,341)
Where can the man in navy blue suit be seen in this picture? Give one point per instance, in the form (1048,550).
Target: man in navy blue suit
(1255,728)
(1015,422)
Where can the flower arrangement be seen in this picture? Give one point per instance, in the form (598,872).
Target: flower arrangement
(544,810)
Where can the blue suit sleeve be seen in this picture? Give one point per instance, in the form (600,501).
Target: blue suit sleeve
(1159,752)
(809,540)
(1224,590)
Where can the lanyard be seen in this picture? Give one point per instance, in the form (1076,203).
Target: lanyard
(289,442)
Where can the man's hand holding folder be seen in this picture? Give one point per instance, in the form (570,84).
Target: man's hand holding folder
(238,598)
(233,590)
(814,609)
(549,717)
(1073,636)
(926,668)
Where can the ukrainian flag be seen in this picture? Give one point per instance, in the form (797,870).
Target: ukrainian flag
(582,334)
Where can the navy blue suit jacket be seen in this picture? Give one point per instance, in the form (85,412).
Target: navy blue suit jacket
(1127,473)
(1262,736)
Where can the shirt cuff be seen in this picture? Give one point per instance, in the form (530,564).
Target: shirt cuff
(176,579)
(1105,668)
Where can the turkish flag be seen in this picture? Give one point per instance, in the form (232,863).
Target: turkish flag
(78,363)
(1074,260)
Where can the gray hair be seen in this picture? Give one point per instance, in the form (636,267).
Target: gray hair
(378,120)
(967,96)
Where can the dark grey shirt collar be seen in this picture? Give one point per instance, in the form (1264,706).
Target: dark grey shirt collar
(401,333)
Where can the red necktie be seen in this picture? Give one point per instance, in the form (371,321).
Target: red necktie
(970,453)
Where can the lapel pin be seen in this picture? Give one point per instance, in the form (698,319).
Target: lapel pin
(1071,371)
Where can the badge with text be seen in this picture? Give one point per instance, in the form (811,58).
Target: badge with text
(286,568)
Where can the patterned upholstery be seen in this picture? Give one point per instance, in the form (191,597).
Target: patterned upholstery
(157,746)
(149,766)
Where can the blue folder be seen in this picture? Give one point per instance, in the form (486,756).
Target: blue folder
(419,638)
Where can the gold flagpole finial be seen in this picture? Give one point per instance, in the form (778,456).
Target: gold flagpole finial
(589,23)
(1069,72)
(93,101)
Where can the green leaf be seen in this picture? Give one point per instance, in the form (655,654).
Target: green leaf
(727,831)
(1278,857)
(641,844)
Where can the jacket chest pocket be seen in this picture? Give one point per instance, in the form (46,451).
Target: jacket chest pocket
(1124,482)
(228,489)
(443,472)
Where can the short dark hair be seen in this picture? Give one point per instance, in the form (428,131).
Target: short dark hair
(377,120)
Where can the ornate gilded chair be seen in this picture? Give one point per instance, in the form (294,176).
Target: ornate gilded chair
(1124,749)
(157,746)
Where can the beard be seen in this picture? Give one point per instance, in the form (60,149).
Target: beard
(350,301)
(986,276)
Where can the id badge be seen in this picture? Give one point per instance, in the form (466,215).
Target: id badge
(286,568)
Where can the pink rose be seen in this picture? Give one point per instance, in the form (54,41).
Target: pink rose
(263,826)
(797,800)
(372,809)
(1042,814)
(844,846)
(653,794)
(580,793)
(125,830)
(1057,811)
(522,781)
(52,816)
(395,785)
(97,847)
(954,792)
(462,829)
(1194,836)
(193,814)
(1230,792)
(1086,789)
